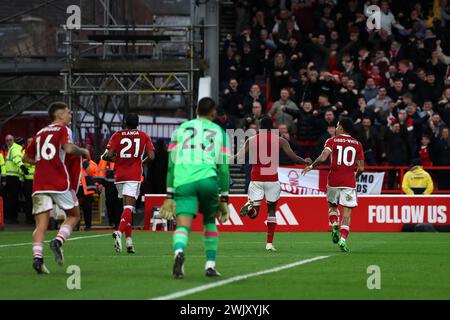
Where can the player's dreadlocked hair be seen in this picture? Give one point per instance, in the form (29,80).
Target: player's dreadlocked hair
(205,106)
(266,123)
(347,124)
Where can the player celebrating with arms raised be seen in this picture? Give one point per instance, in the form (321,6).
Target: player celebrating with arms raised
(52,182)
(264,176)
(346,156)
(198,171)
(126,148)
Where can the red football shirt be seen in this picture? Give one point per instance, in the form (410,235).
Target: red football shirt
(129,147)
(73,165)
(266,164)
(345,152)
(51,175)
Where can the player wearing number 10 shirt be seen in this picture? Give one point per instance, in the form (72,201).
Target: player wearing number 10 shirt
(128,147)
(346,156)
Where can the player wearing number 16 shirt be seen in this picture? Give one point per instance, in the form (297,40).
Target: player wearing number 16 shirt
(346,156)
(52,182)
(128,147)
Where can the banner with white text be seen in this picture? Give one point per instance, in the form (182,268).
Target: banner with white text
(310,213)
(315,182)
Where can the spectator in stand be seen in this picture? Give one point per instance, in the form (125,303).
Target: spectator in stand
(435,126)
(258,23)
(443,108)
(362,112)
(253,95)
(417,126)
(282,117)
(233,103)
(348,97)
(255,116)
(408,77)
(370,91)
(294,53)
(307,132)
(425,152)
(442,155)
(427,108)
(368,135)
(284,159)
(387,18)
(324,105)
(397,91)
(431,90)
(380,101)
(279,74)
(227,64)
(329,119)
(396,150)
(249,68)
(264,46)
(303,11)
(270,9)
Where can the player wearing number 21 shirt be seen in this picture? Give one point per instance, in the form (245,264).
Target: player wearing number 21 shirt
(51,184)
(128,147)
(347,156)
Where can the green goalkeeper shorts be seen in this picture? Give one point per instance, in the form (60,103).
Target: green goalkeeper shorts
(201,194)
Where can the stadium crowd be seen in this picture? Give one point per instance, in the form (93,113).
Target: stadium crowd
(307,63)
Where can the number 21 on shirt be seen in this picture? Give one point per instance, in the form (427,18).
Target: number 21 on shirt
(128,143)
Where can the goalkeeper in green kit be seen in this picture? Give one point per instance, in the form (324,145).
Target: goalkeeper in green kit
(198,172)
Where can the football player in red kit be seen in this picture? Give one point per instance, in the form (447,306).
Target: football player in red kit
(264,149)
(347,156)
(52,182)
(128,146)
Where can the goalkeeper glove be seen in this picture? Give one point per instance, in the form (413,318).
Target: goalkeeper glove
(168,208)
(223,212)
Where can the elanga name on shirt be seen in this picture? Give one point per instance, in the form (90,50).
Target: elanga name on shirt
(128,133)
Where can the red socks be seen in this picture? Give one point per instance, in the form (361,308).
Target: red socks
(345,230)
(271,225)
(332,217)
(125,220)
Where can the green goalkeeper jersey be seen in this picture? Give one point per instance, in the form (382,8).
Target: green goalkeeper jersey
(199,149)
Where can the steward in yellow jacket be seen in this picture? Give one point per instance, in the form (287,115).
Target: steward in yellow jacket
(417,180)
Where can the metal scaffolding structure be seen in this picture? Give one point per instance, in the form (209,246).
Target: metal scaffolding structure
(112,66)
(129,62)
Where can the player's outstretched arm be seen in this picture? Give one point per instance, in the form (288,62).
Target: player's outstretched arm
(360,168)
(320,160)
(74,150)
(108,155)
(242,152)
(291,154)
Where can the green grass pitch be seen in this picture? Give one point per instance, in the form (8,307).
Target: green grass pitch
(413,266)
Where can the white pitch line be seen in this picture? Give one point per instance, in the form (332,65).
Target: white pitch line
(187,292)
(46,241)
